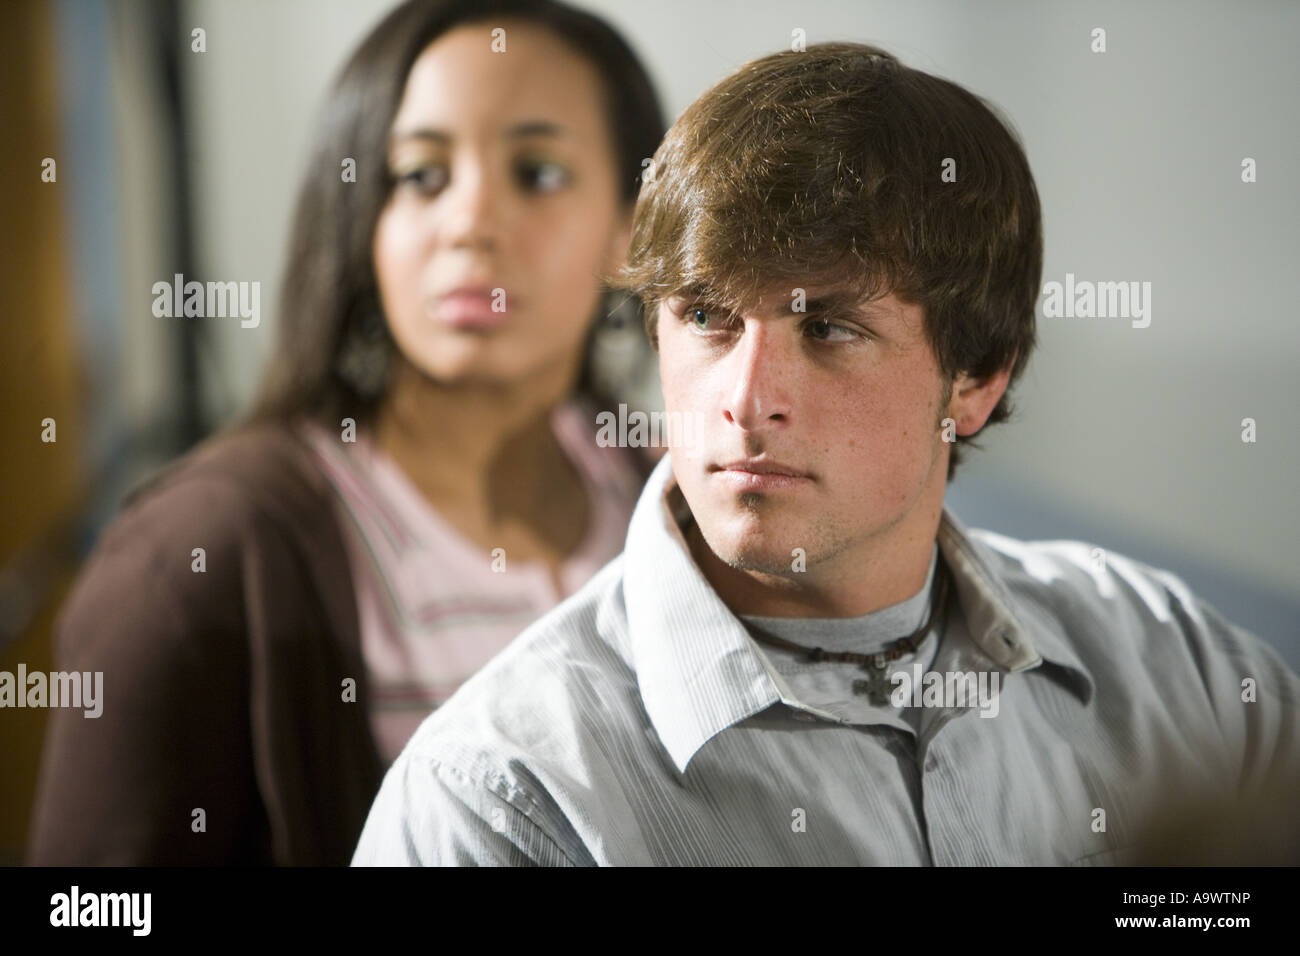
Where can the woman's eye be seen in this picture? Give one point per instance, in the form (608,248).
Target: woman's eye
(425,179)
(543,177)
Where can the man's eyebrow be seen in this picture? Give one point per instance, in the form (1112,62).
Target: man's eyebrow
(692,293)
(830,303)
(849,305)
(845,304)
(523,130)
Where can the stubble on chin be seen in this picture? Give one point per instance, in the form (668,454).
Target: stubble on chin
(745,552)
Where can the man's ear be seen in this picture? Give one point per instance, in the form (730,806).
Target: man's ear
(973,399)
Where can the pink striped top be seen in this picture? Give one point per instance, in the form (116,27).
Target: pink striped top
(432,608)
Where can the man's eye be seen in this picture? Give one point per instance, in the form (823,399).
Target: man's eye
(543,176)
(424,179)
(825,331)
(699,316)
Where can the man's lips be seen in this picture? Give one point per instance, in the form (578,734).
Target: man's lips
(761,466)
(759,474)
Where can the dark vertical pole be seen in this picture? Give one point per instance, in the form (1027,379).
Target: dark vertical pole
(172,40)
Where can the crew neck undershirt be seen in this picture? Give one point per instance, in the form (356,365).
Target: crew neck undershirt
(828,685)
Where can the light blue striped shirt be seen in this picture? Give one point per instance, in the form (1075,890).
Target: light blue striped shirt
(639,723)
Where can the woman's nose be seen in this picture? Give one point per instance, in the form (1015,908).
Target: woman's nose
(471,209)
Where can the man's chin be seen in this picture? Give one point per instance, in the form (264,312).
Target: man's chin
(744,543)
(761,562)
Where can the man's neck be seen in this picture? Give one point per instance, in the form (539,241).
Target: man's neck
(882,571)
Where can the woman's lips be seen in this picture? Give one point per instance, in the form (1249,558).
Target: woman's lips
(469,310)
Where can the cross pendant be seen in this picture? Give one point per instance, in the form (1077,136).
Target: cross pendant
(877,686)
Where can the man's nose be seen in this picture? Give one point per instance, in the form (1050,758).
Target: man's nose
(759,397)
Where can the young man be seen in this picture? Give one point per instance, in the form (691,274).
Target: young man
(801,656)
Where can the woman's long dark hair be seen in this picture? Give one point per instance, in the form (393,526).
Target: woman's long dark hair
(330,296)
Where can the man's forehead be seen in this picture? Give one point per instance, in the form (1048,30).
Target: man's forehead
(784,298)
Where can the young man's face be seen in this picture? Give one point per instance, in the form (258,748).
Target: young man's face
(819,432)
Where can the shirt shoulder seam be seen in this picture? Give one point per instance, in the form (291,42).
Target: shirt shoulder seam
(494,782)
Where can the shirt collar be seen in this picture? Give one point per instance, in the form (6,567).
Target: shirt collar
(989,608)
(696,665)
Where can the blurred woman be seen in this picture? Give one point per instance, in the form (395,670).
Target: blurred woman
(419,480)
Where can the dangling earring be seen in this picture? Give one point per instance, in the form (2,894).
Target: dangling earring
(618,309)
(366,355)
(621,364)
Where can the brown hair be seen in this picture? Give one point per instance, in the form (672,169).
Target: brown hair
(824,167)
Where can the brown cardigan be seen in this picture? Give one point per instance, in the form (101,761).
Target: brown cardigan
(222,690)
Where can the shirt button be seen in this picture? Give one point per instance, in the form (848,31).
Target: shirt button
(931,762)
